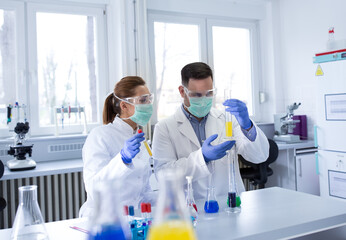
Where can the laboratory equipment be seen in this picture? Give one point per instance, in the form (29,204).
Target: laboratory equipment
(69,110)
(146,145)
(19,150)
(28,223)
(211,205)
(190,201)
(107,222)
(172,220)
(231,160)
(284,125)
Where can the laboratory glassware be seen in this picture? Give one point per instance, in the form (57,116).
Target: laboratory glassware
(231,160)
(28,223)
(190,201)
(211,205)
(107,221)
(172,220)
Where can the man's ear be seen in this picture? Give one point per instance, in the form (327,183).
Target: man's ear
(181,91)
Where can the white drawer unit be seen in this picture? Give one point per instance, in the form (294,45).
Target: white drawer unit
(332,172)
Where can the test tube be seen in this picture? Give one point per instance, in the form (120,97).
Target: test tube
(228,116)
(146,144)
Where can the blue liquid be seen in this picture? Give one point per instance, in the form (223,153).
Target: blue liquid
(211,206)
(108,232)
(232,199)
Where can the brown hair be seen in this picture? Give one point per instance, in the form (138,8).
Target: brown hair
(123,89)
(196,70)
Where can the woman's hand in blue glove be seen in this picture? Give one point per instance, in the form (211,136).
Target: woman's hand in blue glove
(131,148)
(211,152)
(239,110)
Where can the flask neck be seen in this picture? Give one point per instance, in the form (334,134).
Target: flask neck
(27,194)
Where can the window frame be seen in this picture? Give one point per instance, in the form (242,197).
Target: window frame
(102,67)
(155,16)
(206,44)
(20,61)
(252,26)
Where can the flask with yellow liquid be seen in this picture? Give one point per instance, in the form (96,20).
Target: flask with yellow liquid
(172,219)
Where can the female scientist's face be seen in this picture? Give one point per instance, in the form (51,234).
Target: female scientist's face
(127,109)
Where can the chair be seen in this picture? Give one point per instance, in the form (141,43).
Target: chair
(258,174)
(2,200)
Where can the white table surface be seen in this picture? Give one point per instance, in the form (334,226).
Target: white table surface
(272,213)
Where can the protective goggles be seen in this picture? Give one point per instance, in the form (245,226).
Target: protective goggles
(193,94)
(143,99)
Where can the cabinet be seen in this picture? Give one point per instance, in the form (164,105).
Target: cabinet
(307,179)
(295,168)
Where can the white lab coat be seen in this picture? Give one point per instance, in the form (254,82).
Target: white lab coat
(102,161)
(175,144)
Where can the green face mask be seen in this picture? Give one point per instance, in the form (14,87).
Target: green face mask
(142,114)
(200,106)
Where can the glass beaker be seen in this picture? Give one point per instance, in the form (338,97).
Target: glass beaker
(107,221)
(28,223)
(172,220)
(190,201)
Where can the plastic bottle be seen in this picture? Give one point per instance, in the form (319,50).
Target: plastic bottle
(331,44)
(28,223)
(172,220)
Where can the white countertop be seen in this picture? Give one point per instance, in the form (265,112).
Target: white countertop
(46,168)
(272,213)
(299,145)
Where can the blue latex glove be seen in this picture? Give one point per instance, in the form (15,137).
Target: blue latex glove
(211,152)
(239,110)
(131,148)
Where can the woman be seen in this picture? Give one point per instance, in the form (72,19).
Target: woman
(114,150)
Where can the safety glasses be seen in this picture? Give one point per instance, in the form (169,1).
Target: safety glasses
(193,94)
(143,99)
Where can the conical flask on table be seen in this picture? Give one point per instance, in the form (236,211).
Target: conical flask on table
(172,219)
(190,201)
(107,221)
(28,223)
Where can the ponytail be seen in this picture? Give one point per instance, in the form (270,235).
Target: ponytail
(110,109)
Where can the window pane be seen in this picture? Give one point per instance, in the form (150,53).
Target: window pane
(66,50)
(7,63)
(232,64)
(175,46)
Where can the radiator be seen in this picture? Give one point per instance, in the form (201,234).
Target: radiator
(59,196)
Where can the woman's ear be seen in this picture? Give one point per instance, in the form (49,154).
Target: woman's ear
(123,106)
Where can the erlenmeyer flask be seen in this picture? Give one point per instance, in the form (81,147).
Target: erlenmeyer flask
(172,220)
(107,221)
(28,223)
(211,205)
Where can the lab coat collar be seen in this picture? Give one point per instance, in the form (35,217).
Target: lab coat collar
(123,125)
(184,125)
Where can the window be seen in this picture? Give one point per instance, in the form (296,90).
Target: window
(229,51)
(60,63)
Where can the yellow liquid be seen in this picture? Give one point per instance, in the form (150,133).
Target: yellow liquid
(148,148)
(229,129)
(172,230)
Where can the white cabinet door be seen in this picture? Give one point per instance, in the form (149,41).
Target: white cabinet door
(306,175)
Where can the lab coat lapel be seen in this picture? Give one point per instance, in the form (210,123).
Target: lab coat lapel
(184,126)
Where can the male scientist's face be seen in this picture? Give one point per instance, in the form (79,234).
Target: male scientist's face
(196,85)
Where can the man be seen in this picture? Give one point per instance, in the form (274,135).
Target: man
(193,137)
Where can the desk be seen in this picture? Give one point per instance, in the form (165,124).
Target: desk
(271,213)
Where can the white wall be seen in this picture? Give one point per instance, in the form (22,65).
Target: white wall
(304,32)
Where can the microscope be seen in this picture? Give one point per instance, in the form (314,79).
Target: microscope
(284,125)
(19,150)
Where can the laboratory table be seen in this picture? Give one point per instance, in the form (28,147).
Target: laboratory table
(271,213)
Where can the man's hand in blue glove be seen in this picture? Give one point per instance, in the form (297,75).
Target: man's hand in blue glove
(211,152)
(131,148)
(239,110)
